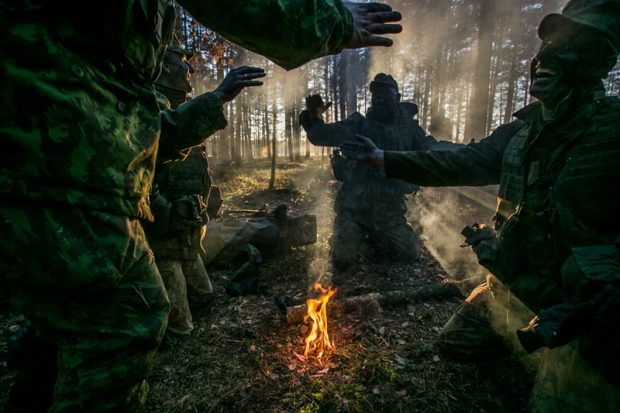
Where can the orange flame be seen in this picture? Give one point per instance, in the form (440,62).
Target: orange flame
(318,340)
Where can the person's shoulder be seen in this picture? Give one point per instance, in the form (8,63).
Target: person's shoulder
(608,104)
(409,109)
(356,117)
(162,100)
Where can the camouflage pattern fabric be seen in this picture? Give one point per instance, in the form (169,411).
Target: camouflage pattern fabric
(95,292)
(86,141)
(80,127)
(188,286)
(289,32)
(557,177)
(368,204)
(176,235)
(483,327)
(180,318)
(188,125)
(97,154)
(566,383)
(390,236)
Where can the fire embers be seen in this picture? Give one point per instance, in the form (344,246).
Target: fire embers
(318,341)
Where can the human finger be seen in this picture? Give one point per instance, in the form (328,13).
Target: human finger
(383,17)
(252,83)
(385,28)
(375,7)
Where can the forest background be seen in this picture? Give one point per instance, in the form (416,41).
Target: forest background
(465,63)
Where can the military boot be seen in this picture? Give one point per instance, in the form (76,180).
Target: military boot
(469,334)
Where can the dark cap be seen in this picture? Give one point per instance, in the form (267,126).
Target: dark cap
(175,47)
(382,79)
(601,15)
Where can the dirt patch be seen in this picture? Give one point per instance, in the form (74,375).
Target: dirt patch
(244,357)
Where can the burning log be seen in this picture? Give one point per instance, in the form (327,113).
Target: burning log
(372,301)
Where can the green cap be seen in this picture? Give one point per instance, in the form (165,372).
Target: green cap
(382,79)
(175,47)
(601,15)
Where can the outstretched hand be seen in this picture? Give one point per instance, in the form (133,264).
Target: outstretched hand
(363,150)
(371,20)
(236,80)
(316,106)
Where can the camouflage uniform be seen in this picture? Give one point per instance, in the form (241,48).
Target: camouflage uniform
(368,204)
(80,125)
(175,237)
(556,227)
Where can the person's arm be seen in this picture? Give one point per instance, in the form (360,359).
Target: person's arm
(471,165)
(293,32)
(320,133)
(189,125)
(592,310)
(197,119)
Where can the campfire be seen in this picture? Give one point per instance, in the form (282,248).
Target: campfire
(318,341)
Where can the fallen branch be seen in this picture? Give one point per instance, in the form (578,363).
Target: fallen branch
(372,301)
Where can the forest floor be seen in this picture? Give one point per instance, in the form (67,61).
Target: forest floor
(244,357)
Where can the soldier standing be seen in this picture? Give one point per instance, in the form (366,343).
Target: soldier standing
(368,205)
(556,239)
(80,125)
(182,188)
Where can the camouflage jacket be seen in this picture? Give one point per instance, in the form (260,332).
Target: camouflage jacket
(80,122)
(360,181)
(179,206)
(556,214)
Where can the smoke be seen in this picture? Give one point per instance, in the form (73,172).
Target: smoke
(441,214)
(320,186)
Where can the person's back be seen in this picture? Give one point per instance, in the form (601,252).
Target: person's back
(81,124)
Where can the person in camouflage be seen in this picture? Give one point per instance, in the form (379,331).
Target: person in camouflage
(181,192)
(369,207)
(80,125)
(556,240)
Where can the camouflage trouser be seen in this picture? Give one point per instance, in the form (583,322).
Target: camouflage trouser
(565,383)
(88,284)
(389,235)
(187,282)
(478,328)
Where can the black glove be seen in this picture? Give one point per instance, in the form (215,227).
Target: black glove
(562,323)
(476,233)
(553,327)
(315,106)
(363,150)
(236,80)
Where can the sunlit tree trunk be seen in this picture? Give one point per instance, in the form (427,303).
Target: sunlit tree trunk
(492,95)
(288,133)
(266,136)
(479,103)
(247,127)
(235,148)
(510,94)
(274,147)
(296,131)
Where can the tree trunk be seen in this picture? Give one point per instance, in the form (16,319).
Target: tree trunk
(510,95)
(373,301)
(479,103)
(274,151)
(288,133)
